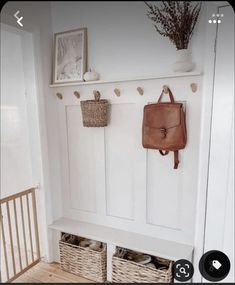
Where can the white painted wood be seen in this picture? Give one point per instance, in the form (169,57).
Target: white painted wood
(219,185)
(122,193)
(111,248)
(16,159)
(81,156)
(120,142)
(54,242)
(128,79)
(205,125)
(142,243)
(228,241)
(163,188)
(33,104)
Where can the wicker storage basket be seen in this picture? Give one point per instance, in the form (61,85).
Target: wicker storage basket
(95,112)
(125,271)
(83,261)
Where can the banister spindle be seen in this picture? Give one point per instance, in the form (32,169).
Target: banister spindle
(11,238)
(17,234)
(35,223)
(4,244)
(29,224)
(23,227)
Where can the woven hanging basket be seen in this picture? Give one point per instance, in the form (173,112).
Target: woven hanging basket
(95,112)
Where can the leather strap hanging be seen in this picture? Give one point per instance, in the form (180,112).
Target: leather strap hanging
(176,153)
(176,159)
(170,95)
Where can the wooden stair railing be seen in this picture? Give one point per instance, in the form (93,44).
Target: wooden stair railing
(19,236)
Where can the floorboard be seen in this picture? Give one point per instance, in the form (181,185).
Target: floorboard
(49,273)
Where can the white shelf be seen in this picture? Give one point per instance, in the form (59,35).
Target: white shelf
(149,245)
(172,75)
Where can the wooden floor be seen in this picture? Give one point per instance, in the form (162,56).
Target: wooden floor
(49,273)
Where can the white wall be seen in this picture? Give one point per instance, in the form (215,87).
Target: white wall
(16,168)
(122,42)
(37,20)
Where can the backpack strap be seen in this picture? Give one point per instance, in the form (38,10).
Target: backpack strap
(170,95)
(176,159)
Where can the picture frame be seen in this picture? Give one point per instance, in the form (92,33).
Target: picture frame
(70,56)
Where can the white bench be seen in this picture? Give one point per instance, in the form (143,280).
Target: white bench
(115,237)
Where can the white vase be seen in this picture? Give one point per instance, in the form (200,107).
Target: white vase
(91,75)
(184,61)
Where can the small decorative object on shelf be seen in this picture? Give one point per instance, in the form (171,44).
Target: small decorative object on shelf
(95,112)
(91,75)
(176,20)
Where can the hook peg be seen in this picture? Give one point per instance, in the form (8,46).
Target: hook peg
(76,94)
(193,87)
(59,95)
(117,92)
(140,90)
(165,89)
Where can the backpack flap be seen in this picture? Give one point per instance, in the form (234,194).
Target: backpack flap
(161,126)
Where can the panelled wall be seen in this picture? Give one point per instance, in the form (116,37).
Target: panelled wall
(108,178)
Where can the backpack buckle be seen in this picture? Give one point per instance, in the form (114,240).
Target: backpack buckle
(163,131)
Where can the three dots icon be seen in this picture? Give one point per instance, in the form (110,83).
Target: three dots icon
(217,18)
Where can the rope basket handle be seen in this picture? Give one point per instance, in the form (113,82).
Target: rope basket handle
(96,95)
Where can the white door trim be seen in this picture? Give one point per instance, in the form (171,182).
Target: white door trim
(204,154)
(43,165)
(208,85)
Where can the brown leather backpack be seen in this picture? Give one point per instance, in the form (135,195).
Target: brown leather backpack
(164,127)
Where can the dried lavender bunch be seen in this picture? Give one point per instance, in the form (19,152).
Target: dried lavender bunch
(175,20)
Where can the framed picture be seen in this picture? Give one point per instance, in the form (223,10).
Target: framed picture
(70,56)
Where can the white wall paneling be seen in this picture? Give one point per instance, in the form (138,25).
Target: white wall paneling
(120,154)
(82,147)
(108,178)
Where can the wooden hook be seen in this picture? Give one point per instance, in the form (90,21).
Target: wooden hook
(59,95)
(117,92)
(140,90)
(165,89)
(77,94)
(193,87)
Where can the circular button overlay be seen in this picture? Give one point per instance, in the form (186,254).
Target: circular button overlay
(214,265)
(183,270)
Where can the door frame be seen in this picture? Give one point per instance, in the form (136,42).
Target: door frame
(43,166)
(206,121)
